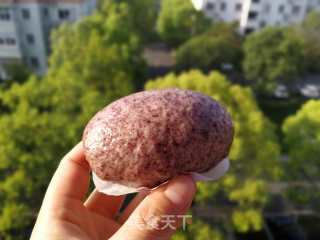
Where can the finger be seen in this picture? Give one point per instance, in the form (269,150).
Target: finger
(71,179)
(132,206)
(105,205)
(148,220)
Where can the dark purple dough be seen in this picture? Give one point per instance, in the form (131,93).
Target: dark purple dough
(149,137)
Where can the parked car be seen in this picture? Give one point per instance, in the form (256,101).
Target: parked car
(310,91)
(281,91)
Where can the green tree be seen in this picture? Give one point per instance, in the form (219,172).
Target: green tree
(17,216)
(106,33)
(142,16)
(93,63)
(198,230)
(302,139)
(16,72)
(29,135)
(254,154)
(273,55)
(219,45)
(178,21)
(309,30)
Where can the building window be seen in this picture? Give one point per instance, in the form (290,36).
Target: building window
(30,38)
(10,41)
(64,14)
(4,14)
(210,6)
(262,24)
(223,6)
(45,12)
(281,8)
(253,15)
(34,62)
(249,30)
(238,7)
(296,9)
(1,41)
(25,13)
(309,9)
(256,1)
(267,8)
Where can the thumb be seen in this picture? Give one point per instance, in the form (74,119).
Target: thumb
(160,214)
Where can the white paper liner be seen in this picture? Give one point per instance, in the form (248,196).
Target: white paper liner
(116,189)
(198,4)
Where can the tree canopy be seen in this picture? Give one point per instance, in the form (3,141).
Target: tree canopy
(302,140)
(272,55)
(32,140)
(142,16)
(16,72)
(254,154)
(309,31)
(108,32)
(178,21)
(220,45)
(302,137)
(198,230)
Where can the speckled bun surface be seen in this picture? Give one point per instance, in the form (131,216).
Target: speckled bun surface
(146,138)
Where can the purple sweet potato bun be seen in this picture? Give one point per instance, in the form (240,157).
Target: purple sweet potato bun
(146,138)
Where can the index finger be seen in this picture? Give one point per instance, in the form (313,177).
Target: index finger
(71,179)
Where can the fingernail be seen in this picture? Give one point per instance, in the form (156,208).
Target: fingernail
(180,191)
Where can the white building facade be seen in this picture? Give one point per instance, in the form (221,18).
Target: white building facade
(25,27)
(255,14)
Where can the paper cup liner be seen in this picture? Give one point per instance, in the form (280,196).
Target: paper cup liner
(116,189)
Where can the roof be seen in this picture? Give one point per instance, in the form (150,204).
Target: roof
(158,55)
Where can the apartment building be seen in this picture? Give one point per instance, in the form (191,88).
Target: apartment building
(25,27)
(255,14)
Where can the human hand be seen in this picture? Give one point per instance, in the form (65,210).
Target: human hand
(65,214)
